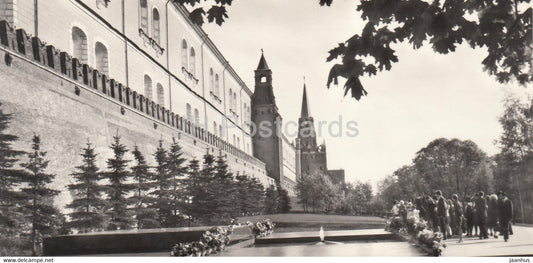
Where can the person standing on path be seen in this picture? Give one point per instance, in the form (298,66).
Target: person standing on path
(458,213)
(442,213)
(506,214)
(481,213)
(469,216)
(493,215)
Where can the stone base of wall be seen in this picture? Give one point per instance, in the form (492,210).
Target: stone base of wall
(132,241)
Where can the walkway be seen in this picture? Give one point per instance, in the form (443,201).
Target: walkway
(521,243)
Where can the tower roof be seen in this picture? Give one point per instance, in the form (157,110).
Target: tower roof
(262,63)
(305,105)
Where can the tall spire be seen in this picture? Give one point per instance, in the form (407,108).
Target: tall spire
(305,105)
(262,63)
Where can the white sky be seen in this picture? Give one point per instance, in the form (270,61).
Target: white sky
(425,96)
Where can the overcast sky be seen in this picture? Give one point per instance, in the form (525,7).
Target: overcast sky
(425,96)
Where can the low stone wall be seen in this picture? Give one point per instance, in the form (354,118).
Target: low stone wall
(131,241)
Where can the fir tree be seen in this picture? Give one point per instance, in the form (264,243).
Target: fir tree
(88,203)
(176,170)
(193,188)
(224,188)
(162,194)
(250,194)
(200,189)
(271,200)
(145,213)
(241,193)
(256,199)
(10,198)
(284,201)
(208,197)
(117,190)
(42,214)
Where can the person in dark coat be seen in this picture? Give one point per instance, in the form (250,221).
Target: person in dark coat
(442,213)
(403,214)
(459,215)
(481,214)
(431,209)
(506,214)
(419,204)
(469,217)
(450,218)
(492,212)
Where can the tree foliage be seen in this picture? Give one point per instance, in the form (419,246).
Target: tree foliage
(10,199)
(88,204)
(118,188)
(317,193)
(162,192)
(451,165)
(216,13)
(284,201)
(271,200)
(503,27)
(176,172)
(145,214)
(357,199)
(43,217)
(514,163)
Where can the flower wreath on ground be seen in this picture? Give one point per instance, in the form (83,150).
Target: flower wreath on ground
(418,232)
(263,228)
(217,238)
(212,241)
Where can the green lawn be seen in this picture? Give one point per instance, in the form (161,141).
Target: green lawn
(311,222)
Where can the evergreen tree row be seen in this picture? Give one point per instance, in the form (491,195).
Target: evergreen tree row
(26,210)
(169,194)
(126,194)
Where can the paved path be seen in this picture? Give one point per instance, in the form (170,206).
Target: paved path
(521,243)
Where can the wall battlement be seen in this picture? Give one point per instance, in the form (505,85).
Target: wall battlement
(86,77)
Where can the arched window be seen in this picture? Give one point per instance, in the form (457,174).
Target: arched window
(192,62)
(184,55)
(234,140)
(148,92)
(196,117)
(230,99)
(217,90)
(79,44)
(220,131)
(211,81)
(189,112)
(160,94)
(102,59)
(239,143)
(156,26)
(215,127)
(143,19)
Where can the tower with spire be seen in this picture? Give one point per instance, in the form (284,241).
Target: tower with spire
(312,158)
(267,138)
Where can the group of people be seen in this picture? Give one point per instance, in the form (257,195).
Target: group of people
(481,215)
